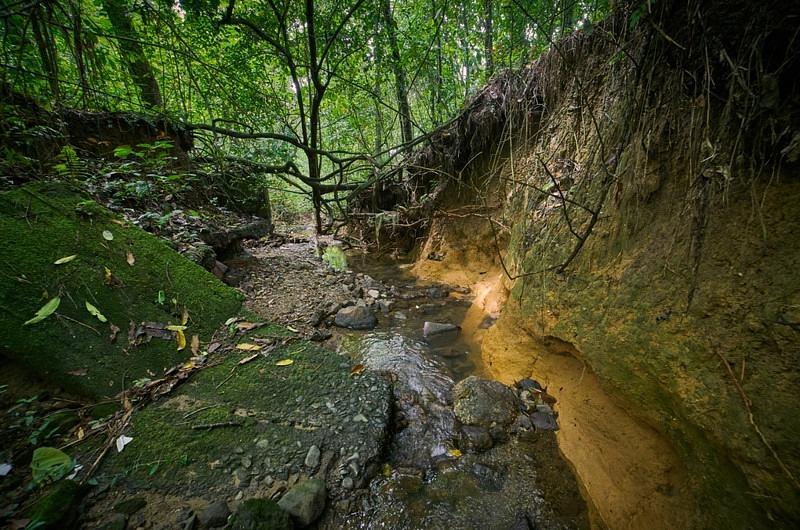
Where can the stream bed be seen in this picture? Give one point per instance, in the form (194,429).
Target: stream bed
(429,477)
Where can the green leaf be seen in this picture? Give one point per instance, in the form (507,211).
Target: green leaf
(50,464)
(46,310)
(107,235)
(95,312)
(162,296)
(65,259)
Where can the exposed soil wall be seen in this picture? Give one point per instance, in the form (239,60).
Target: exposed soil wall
(648,216)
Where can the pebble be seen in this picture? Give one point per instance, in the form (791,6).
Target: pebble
(312,457)
(360,418)
(347,483)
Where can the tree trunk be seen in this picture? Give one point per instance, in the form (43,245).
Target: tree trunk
(132,52)
(487,37)
(401,85)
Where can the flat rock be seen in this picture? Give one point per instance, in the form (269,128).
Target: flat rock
(432,329)
(484,403)
(355,317)
(305,501)
(312,457)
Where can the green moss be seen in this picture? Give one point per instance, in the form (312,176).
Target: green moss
(73,348)
(260,514)
(57,507)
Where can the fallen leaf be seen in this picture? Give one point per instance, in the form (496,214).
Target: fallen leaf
(122,441)
(81,433)
(247,326)
(181,339)
(107,275)
(357,369)
(78,373)
(131,259)
(118,222)
(249,358)
(108,236)
(45,311)
(175,328)
(455,453)
(114,331)
(95,312)
(195,344)
(214,346)
(284,362)
(232,320)
(386,471)
(247,346)
(184,316)
(293,330)
(65,259)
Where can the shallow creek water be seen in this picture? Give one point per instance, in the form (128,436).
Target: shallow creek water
(425,483)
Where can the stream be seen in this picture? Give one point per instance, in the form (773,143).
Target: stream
(426,481)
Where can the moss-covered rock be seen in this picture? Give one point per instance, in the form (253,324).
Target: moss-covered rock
(129,275)
(57,507)
(260,514)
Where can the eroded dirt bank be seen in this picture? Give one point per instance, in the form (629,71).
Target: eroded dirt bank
(645,215)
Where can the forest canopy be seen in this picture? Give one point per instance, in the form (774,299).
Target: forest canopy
(317,96)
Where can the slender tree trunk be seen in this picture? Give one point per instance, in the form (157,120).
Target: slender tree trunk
(488,46)
(401,85)
(47,50)
(132,52)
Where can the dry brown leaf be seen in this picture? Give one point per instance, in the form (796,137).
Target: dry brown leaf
(358,369)
(247,326)
(195,344)
(114,331)
(214,346)
(131,259)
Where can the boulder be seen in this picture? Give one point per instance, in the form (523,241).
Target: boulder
(215,515)
(474,439)
(260,514)
(305,501)
(355,317)
(484,403)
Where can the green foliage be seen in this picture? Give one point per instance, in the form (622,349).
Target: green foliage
(50,464)
(335,257)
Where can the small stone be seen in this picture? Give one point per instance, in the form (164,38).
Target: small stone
(312,457)
(263,443)
(215,515)
(484,403)
(347,483)
(305,502)
(247,462)
(241,478)
(374,293)
(474,439)
(360,418)
(239,495)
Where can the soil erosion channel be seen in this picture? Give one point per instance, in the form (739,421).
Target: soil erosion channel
(628,473)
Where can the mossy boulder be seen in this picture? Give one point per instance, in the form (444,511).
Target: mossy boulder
(260,514)
(128,275)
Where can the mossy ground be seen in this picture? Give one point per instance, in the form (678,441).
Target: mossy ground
(42,223)
(276,414)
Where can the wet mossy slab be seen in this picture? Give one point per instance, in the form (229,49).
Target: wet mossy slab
(245,427)
(128,275)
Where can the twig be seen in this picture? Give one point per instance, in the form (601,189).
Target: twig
(209,426)
(201,409)
(78,322)
(747,403)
